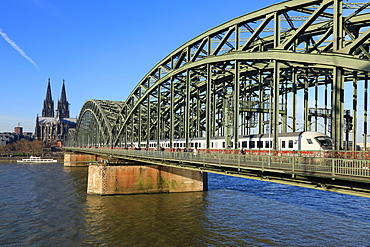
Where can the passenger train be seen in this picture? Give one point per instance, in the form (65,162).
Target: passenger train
(294,141)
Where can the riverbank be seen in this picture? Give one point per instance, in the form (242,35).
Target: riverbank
(8,159)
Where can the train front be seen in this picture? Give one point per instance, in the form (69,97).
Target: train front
(316,141)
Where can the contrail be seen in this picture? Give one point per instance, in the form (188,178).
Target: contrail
(14,45)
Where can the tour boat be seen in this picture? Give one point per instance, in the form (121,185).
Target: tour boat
(34,159)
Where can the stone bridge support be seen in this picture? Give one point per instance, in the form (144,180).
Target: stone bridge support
(79,159)
(118,179)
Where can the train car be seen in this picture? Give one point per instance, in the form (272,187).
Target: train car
(294,141)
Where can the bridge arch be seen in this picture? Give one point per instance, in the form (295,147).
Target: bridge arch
(94,126)
(248,75)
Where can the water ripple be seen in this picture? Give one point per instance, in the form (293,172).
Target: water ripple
(47,205)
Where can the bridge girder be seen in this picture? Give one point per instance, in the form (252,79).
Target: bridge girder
(94,125)
(234,77)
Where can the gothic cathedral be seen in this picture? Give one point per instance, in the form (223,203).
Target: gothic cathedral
(50,128)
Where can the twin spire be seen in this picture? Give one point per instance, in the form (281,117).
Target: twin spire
(63,105)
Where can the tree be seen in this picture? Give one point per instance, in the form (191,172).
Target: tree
(23,146)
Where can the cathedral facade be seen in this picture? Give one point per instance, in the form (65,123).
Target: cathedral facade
(52,127)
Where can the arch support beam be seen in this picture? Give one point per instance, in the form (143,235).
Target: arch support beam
(337,108)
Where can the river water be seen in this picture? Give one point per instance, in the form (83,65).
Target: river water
(47,205)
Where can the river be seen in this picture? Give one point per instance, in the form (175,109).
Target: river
(47,205)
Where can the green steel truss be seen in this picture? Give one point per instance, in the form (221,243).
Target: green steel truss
(260,72)
(95,123)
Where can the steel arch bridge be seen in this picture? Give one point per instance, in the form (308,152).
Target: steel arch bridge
(295,65)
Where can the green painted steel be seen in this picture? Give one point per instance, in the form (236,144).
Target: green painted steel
(249,75)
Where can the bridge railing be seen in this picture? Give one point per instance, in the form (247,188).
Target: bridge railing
(289,164)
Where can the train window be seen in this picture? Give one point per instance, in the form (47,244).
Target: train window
(282,144)
(290,145)
(223,144)
(191,144)
(267,144)
(324,141)
(216,145)
(259,144)
(211,144)
(309,141)
(200,144)
(252,144)
(244,144)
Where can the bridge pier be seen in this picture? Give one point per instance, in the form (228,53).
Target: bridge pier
(107,179)
(78,159)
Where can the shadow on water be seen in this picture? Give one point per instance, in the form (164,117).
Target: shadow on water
(329,202)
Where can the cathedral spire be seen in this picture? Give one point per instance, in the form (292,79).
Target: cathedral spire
(63,96)
(63,105)
(48,109)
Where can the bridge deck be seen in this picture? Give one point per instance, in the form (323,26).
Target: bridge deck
(350,176)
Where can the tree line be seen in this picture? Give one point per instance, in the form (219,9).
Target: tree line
(24,147)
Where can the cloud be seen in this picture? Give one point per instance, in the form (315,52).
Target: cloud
(16,47)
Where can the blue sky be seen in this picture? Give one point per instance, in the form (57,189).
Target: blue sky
(100,48)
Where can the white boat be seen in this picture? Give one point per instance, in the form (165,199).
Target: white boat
(34,159)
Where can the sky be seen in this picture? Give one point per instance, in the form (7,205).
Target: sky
(101,48)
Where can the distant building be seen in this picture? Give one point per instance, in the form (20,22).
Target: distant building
(18,130)
(49,128)
(8,137)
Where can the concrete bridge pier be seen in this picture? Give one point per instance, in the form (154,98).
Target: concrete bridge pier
(118,179)
(79,159)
